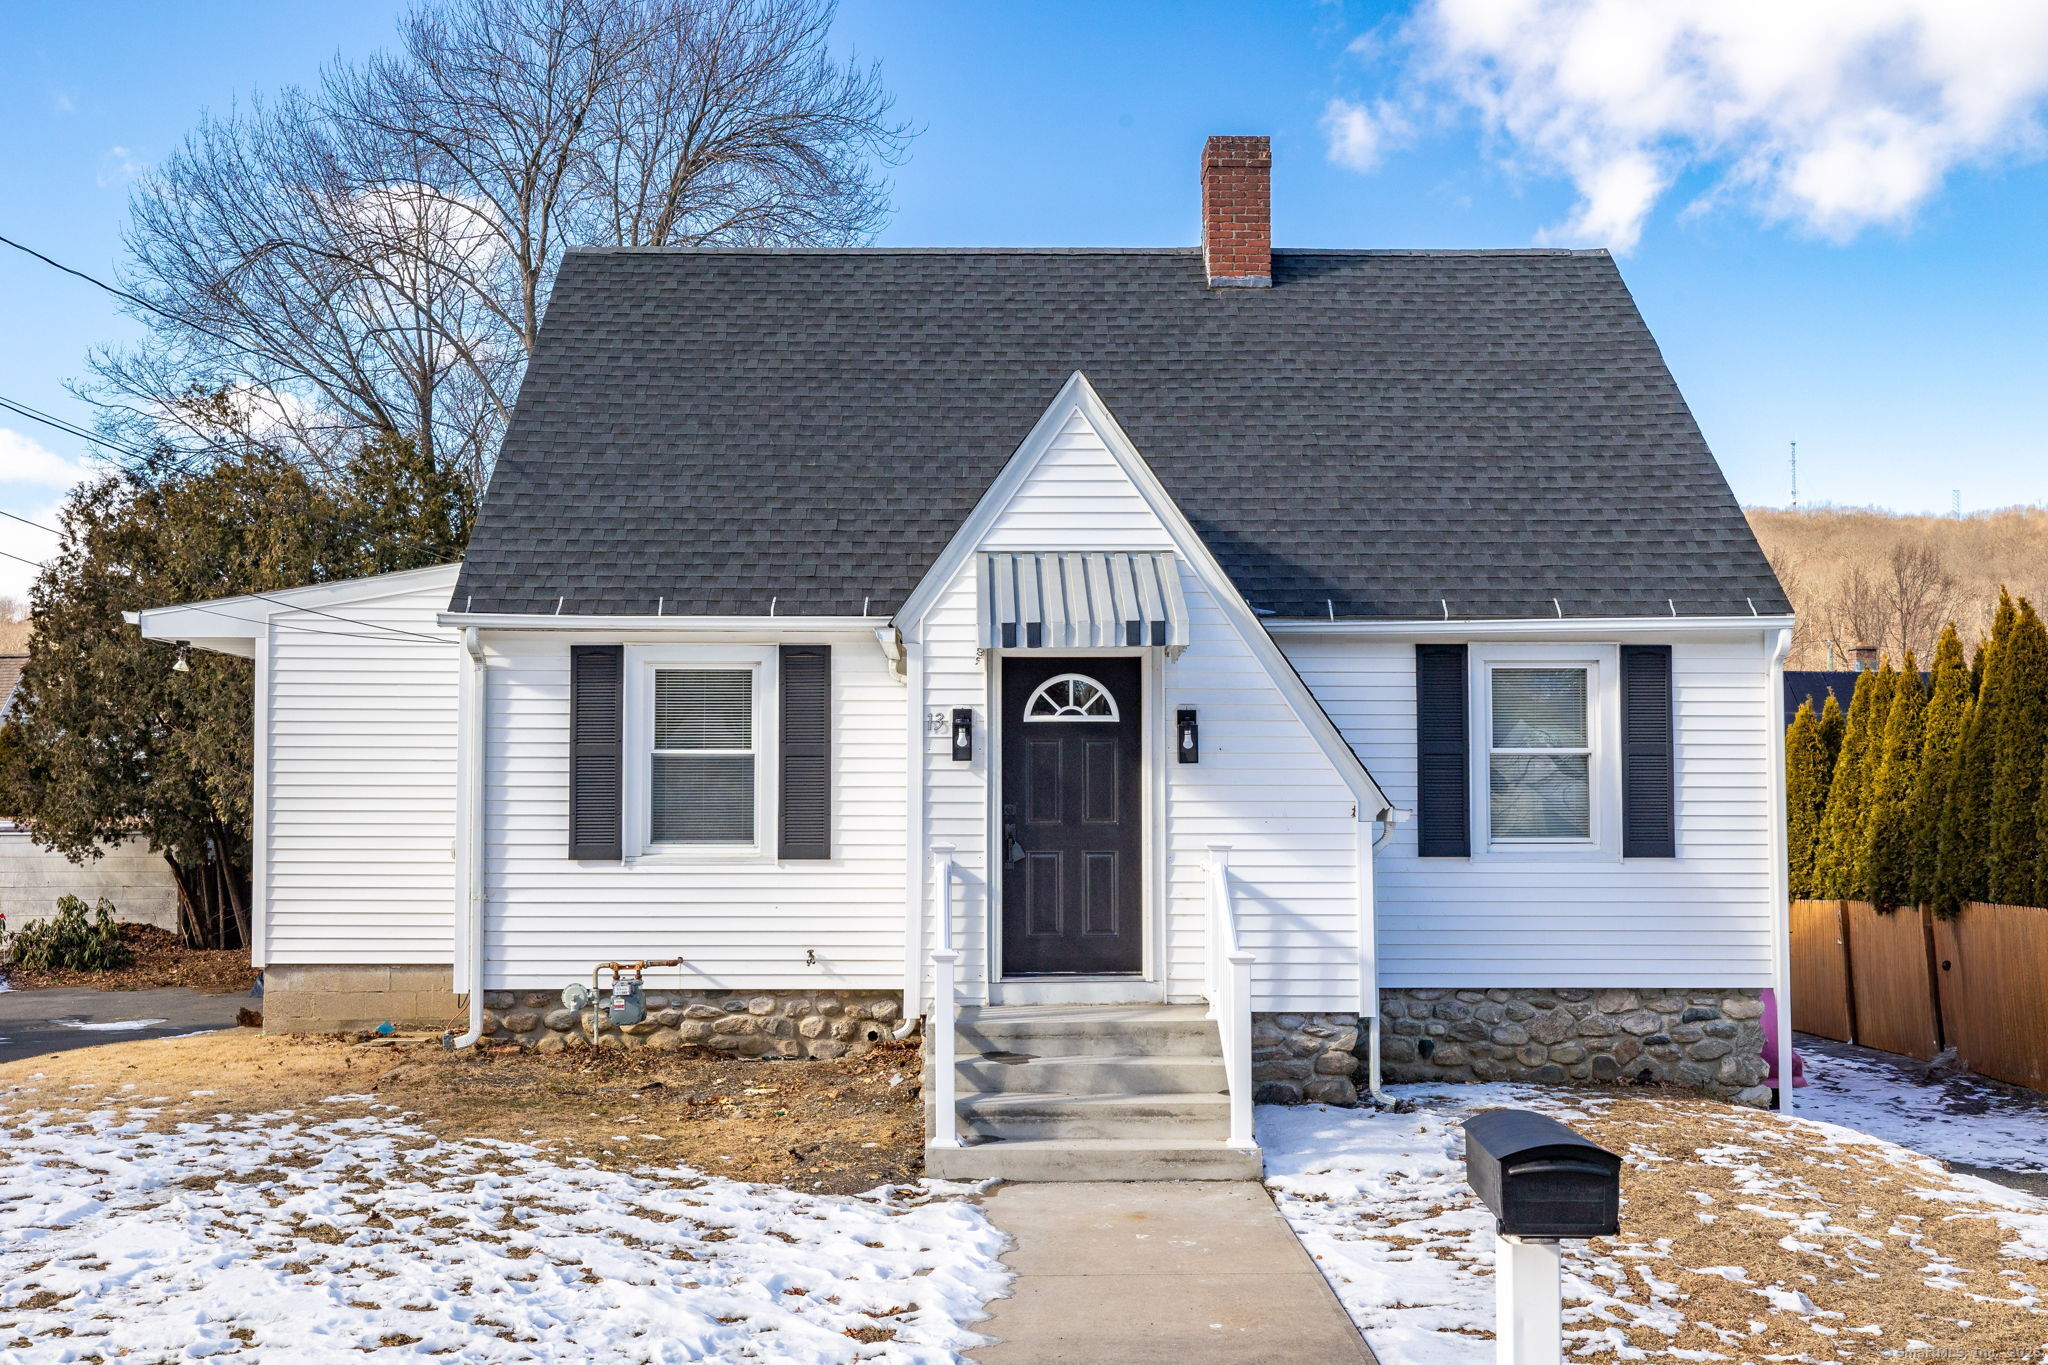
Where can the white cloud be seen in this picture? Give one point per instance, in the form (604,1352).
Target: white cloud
(27,542)
(118,166)
(1360,135)
(23,461)
(1834,115)
(28,476)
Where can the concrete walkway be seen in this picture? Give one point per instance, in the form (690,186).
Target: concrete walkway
(1180,1272)
(36,1022)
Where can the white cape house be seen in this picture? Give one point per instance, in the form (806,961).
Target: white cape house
(1166,678)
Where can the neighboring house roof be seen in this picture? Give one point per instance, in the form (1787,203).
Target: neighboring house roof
(1814,684)
(1802,684)
(1380,434)
(10,678)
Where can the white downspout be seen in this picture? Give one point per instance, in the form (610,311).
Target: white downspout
(1781,899)
(1368,954)
(472,881)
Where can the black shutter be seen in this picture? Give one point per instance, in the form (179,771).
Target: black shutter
(1443,802)
(806,751)
(1648,801)
(597,679)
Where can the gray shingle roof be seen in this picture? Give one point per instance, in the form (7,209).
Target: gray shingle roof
(1379,433)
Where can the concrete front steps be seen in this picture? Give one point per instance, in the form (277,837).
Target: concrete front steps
(1090,1092)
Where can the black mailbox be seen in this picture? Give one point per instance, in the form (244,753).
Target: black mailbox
(1540,1178)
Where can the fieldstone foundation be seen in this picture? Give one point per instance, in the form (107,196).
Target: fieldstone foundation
(1305,1058)
(1711,1041)
(785,1024)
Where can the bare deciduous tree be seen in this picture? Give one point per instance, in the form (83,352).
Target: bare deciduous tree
(1899,605)
(372,255)
(1865,576)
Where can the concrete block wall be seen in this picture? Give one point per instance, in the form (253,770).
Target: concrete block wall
(338,999)
(136,880)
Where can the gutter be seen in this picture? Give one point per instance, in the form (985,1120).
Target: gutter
(784,625)
(1462,628)
(470,908)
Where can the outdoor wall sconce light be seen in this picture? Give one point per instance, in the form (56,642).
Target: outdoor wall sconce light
(1187,743)
(963,734)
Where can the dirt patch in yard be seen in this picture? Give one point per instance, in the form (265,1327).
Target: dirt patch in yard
(159,958)
(836,1127)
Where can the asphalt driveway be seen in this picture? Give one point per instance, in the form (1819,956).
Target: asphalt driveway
(33,1023)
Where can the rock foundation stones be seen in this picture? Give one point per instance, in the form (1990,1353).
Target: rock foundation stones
(784,1024)
(1710,1041)
(1305,1058)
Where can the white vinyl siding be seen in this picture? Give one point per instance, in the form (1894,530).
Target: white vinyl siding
(358,783)
(1263,786)
(1701,919)
(743,922)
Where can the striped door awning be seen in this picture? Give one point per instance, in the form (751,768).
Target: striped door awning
(1078,599)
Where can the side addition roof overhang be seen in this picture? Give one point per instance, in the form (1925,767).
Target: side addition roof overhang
(233,625)
(1078,396)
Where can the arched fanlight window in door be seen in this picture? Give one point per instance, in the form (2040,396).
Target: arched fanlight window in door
(1071,696)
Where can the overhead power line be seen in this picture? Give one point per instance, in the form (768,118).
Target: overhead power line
(377,632)
(72,429)
(26,522)
(118,292)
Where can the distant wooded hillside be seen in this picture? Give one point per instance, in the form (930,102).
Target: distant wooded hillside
(1859,576)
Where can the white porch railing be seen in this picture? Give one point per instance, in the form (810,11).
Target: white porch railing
(1230,996)
(938,1033)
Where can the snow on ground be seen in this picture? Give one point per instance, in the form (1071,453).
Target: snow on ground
(112,1026)
(318,1238)
(1745,1235)
(1955,1118)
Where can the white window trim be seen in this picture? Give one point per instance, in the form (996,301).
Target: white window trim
(642,662)
(1603,733)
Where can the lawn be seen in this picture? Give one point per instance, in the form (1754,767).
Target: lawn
(273,1214)
(1746,1235)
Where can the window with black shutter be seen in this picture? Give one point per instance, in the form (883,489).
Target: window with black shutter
(1443,804)
(596,747)
(806,743)
(1648,778)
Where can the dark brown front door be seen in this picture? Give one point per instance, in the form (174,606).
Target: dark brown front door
(1072,844)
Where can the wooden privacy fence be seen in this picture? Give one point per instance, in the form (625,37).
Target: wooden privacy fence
(1909,983)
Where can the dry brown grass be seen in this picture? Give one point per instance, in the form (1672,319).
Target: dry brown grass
(836,1127)
(1889,1248)
(1843,568)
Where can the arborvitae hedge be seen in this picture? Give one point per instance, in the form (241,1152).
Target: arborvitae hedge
(1806,795)
(1933,794)
(1941,735)
(1960,872)
(1838,858)
(2021,675)
(1885,874)
(1832,725)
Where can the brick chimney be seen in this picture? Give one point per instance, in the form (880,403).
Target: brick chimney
(1237,211)
(1863,658)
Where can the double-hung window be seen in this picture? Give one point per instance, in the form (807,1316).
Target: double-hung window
(702,787)
(699,731)
(1539,760)
(1545,774)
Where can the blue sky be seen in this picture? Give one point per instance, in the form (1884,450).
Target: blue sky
(1833,224)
